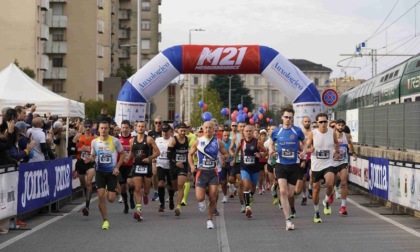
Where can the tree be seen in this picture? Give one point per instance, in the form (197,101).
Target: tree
(28,71)
(125,71)
(238,91)
(214,106)
(93,108)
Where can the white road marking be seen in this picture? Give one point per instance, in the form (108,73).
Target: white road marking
(221,230)
(399,225)
(42,225)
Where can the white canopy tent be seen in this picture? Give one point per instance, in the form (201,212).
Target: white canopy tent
(16,88)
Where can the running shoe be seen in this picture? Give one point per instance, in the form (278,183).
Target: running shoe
(171,203)
(243,208)
(120,200)
(304,201)
(275,200)
(343,210)
(338,194)
(155,197)
(161,209)
(248,212)
(105,225)
(125,208)
(289,225)
(216,213)
(137,215)
(85,211)
(293,213)
(274,190)
(231,195)
(178,211)
(317,218)
(310,193)
(210,224)
(279,205)
(224,200)
(201,206)
(260,191)
(327,208)
(146,199)
(183,203)
(20,222)
(331,198)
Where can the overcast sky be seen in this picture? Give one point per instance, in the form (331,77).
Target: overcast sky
(316,30)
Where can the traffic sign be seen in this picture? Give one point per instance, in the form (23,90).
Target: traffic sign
(330,97)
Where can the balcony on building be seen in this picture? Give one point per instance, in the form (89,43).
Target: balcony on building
(124,14)
(56,73)
(100,51)
(124,53)
(124,33)
(58,1)
(101,4)
(44,5)
(56,47)
(44,66)
(112,8)
(45,32)
(100,74)
(58,21)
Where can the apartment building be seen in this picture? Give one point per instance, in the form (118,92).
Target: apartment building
(73,45)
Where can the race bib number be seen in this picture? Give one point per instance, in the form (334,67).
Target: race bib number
(163,155)
(141,169)
(84,154)
(287,153)
(105,158)
(343,154)
(181,158)
(208,163)
(322,154)
(249,160)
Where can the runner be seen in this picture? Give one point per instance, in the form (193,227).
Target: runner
(104,151)
(236,163)
(155,133)
(84,165)
(287,167)
(124,178)
(207,148)
(143,148)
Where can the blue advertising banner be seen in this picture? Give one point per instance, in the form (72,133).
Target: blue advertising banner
(43,182)
(378,177)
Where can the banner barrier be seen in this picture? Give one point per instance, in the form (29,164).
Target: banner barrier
(41,183)
(8,193)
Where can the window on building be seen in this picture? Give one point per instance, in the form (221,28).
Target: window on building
(256,80)
(386,77)
(171,90)
(57,62)
(100,86)
(145,44)
(273,98)
(58,87)
(57,9)
(58,35)
(396,73)
(407,100)
(145,25)
(145,6)
(316,81)
(195,80)
(257,96)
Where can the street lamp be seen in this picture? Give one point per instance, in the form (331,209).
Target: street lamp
(230,93)
(189,75)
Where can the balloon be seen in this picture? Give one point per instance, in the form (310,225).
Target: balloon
(206,116)
(255,117)
(249,114)
(240,107)
(264,105)
(204,106)
(245,109)
(271,121)
(251,121)
(240,118)
(200,103)
(233,116)
(223,111)
(260,116)
(261,110)
(176,115)
(175,123)
(267,119)
(235,112)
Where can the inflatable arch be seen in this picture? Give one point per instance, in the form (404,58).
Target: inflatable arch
(217,59)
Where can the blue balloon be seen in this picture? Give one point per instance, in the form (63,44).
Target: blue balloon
(240,107)
(201,103)
(206,116)
(271,121)
(175,123)
(240,118)
(261,110)
(255,117)
(176,115)
(223,111)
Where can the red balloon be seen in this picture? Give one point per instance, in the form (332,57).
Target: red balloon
(228,111)
(235,112)
(249,114)
(267,120)
(204,106)
(260,116)
(245,109)
(251,121)
(233,116)
(264,105)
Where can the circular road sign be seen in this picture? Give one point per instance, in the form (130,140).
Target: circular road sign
(330,97)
